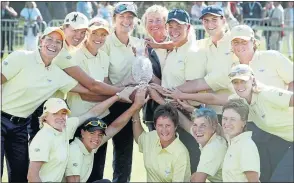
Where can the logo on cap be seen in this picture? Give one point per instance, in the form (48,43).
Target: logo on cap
(5,63)
(209,8)
(239,29)
(175,13)
(68,57)
(37,150)
(75,164)
(74,19)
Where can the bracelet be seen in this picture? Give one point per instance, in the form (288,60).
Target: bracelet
(118,95)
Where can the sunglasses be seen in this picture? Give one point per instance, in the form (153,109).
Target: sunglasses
(239,72)
(97,123)
(205,112)
(123,7)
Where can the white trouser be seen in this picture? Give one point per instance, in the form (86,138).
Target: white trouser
(275,40)
(30,41)
(289,40)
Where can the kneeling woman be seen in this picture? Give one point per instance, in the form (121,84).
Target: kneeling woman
(95,133)
(166,159)
(209,134)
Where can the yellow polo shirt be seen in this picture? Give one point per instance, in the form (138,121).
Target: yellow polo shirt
(212,157)
(94,66)
(121,57)
(270,111)
(180,66)
(52,147)
(30,83)
(80,160)
(219,61)
(242,155)
(272,68)
(171,164)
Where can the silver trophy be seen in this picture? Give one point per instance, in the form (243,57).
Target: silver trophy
(142,68)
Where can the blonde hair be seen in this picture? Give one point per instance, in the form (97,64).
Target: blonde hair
(28,3)
(42,119)
(163,11)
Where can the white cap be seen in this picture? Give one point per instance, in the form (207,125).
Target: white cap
(53,105)
(49,30)
(243,32)
(76,20)
(99,23)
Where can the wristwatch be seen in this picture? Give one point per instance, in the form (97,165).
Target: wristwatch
(118,95)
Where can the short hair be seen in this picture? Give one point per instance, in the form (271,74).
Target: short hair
(168,111)
(163,11)
(239,106)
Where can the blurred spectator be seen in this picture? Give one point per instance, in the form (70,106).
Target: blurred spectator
(267,11)
(31,14)
(86,8)
(105,11)
(60,12)
(289,21)
(217,3)
(231,20)
(236,10)
(7,13)
(195,15)
(43,7)
(251,10)
(277,20)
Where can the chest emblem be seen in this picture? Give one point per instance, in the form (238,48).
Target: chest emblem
(261,70)
(167,172)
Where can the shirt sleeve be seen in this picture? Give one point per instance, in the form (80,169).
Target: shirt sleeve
(217,80)
(13,64)
(74,164)
(277,96)
(142,141)
(67,83)
(195,66)
(249,157)
(210,162)
(38,150)
(22,13)
(71,126)
(182,168)
(284,67)
(64,60)
(38,12)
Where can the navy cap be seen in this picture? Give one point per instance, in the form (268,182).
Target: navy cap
(93,124)
(123,7)
(213,9)
(179,15)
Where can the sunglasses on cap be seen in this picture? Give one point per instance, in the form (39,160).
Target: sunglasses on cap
(240,72)
(97,123)
(126,6)
(205,112)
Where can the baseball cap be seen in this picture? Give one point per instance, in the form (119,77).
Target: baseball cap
(49,30)
(123,7)
(179,15)
(99,23)
(93,124)
(243,32)
(241,71)
(76,20)
(213,10)
(53,105)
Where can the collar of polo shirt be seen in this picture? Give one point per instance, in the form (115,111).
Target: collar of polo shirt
(87,53)
(82,147)
(244,135)
(56,132)
(214,136)
(117,42)
(171,148)
(225,38)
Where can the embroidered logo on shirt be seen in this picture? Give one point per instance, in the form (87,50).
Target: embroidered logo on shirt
(75,164)
(37,150)
(280,93)
(68,57)
(75,18)
(180,61)
(263,116)
(49,80)
(5,62)
(260,70)
(167,172)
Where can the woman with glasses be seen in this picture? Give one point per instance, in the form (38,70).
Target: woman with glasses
(209,134)
(166,159)
(25,86)
(270,110)
(94,133)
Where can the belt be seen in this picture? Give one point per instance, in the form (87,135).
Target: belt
(14,119)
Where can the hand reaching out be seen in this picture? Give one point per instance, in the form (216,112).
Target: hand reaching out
(125,94)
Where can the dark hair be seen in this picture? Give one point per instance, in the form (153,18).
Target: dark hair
(168,111)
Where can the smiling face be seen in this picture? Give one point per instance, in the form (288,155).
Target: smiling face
(232,123)
(166,129)
(155,25)
(202,130)
(97,38)
(51,45)
(178,32)
(92,140)
(242,48)
(74,36)
(213,25)
(243,88)
(57,120)
(124,22)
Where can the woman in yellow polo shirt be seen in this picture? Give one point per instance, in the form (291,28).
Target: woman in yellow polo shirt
(270,67)
(93,134)
(209,134)
(166,159)
(28,78)
(241,162)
